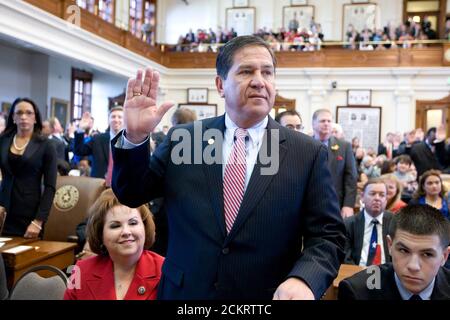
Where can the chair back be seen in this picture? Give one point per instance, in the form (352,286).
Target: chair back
(31,286)
(3,280)
(73,197)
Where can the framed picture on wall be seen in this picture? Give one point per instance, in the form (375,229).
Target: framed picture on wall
(303,15)
(299,2)
(6,106)
(197,95)
(240,3)
(361,122)
(360,15)
(359,97)
(242,20)
(202,111)
(60,109)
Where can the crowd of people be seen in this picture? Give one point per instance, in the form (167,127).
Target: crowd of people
(311,38)
(391,36)
(292,39)
(223,200)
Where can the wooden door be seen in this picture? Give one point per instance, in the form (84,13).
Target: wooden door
(432,113)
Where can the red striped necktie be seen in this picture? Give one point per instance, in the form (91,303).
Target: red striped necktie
(234,178)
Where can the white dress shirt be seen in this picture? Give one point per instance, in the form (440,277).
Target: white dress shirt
(368,226)
(252,144)
(406,294)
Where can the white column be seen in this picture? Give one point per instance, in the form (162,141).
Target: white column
(405,113)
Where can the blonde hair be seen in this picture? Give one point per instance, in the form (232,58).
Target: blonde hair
(391,177)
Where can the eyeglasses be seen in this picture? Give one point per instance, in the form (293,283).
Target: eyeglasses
(21,113)
(297,127)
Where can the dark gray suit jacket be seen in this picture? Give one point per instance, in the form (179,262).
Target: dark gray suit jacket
(297,206)
(354,226)
(342,165)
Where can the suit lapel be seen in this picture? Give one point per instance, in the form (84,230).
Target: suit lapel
(214,177)
(5,149)
(105,146)
(331,155)
(385,232)
(144,281)
(32,147)
(359,235)
(441,290)
(388,284)
(258,183)
(101,284)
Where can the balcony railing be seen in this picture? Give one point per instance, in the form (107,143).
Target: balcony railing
(411,53)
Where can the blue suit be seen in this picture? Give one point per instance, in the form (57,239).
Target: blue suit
(264,247)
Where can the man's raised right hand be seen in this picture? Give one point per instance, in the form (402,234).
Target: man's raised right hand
(141,115)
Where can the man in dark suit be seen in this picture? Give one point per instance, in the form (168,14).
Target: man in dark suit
(99,145)
(240,227)
(290,119)
(424,155)
(418,243)
(341,161)
(58,136)
(360,248)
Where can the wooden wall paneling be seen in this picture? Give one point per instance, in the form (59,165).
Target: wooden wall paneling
(51,6)
(446,54)
(442,16)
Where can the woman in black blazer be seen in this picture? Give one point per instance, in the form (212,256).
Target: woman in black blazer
(28,165)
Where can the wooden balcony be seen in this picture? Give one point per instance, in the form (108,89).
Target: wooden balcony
(328,57)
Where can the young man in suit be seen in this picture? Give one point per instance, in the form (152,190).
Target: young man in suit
(366,232)
(99,145)
(236,232)
(418,242)
(341,161)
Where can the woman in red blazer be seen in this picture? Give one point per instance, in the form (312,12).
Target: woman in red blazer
(122,269)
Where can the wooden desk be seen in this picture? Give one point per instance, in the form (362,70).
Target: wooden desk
(58,254)
(345,271)
(16,241)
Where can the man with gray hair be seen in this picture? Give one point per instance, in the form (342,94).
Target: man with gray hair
(341,161)
(236,232)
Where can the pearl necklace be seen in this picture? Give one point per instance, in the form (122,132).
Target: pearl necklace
(21,148)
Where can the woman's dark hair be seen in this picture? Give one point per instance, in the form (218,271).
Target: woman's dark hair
(11,127)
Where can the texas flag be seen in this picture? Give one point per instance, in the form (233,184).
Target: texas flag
(377,258)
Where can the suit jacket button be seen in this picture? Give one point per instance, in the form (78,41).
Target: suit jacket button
(141,290)
(225,250)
